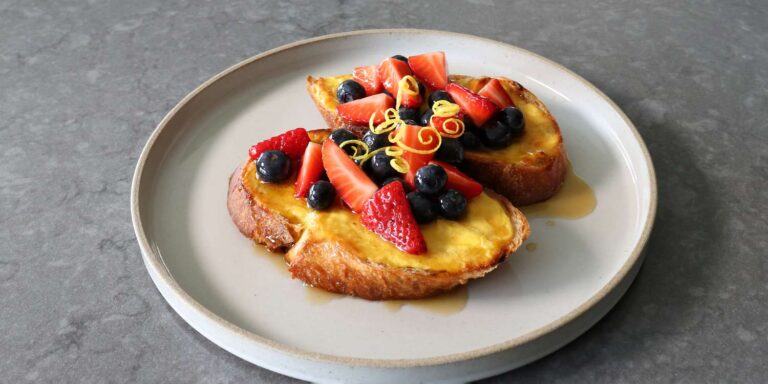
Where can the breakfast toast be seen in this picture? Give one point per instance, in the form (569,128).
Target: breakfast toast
(332,249)
(529,170)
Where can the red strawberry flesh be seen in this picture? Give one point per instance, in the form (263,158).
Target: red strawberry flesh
(368,77)
(351,183)
(391,71)
(359,111)
(416,160)
(311,169)
(479,108)
(430,69)
(389,215)
(495,91)
(459,181)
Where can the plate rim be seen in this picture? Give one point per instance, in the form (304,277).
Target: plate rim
(155,262)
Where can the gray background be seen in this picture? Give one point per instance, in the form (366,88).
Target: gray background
(82,85)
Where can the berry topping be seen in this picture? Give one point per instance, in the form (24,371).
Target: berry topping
(341,135)
(459,181)
(368,77)
(451,151)
(409,115)
(439,123)
(352,184)
(469,140)
(273,166)
(393,180)
(503,128)
(360,111)
(439,95)
(425,118)
(430,179)
(453,205)
(391,71)
(349,90)
(430,69)
(496,93)
(513,118)
(292,143)
(424,209)
(381,169)
(321,195)
(388,214)
(375,141)
(311,169)
(410,138)
(479,108)
(401,58)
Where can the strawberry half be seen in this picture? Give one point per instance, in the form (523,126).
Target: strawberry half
(311,169)
(496,93)
(479,108)
(459,181)
(359,111)
(389,215)
(415,160)
(430,69)
(368,77)
(437,122)
(292,143)
(390,72)
(351,183)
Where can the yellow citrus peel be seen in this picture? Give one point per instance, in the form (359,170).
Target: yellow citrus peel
(426,136)
(407,85)
(452,127)
(362,153)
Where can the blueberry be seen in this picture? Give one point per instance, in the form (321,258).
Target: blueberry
(273,166)
(424,208)
(400,57)
(393,180)
(469,125)
(513,118)
(430,179)
(365,166)
(425,117)
(341,135)
(451,151)
(439,95)
(496,134)
(422,89)
(374,141)
(381,169)
(349,90)
(320,195)
(469,140)
(453,205)
(411,114)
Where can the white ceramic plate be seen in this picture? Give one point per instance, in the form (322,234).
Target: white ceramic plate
(236,295)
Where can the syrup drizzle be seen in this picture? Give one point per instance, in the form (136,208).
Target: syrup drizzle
(575,199)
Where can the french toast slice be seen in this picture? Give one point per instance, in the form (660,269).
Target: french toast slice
(331,250)
(530,170)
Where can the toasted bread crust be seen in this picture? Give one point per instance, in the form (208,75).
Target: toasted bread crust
(334,266)
(523,183)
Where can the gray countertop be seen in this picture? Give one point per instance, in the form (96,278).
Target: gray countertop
(84,83)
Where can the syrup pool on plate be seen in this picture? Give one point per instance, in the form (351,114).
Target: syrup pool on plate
(575,199)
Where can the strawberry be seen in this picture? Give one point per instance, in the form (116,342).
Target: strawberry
(415,160)
(437,122)
(389,215)
(479,108)
(459,181)
(359,111)
(368,77)
(429,68)
(351,183)
(496,92)
(311,169)
(292,143)
(390,72)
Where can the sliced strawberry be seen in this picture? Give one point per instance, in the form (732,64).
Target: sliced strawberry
(351,183)
(496,92)
(390,72)
(459,181)
(368,77)
(479,108)
(437,122)
(430,69)
(311,169)
(416,160)
(389,215)
(292,143)
(359,111)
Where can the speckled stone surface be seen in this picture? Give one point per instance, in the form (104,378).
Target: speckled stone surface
(84,83)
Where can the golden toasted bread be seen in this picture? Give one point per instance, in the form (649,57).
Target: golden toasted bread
(332,250)
(530,170)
